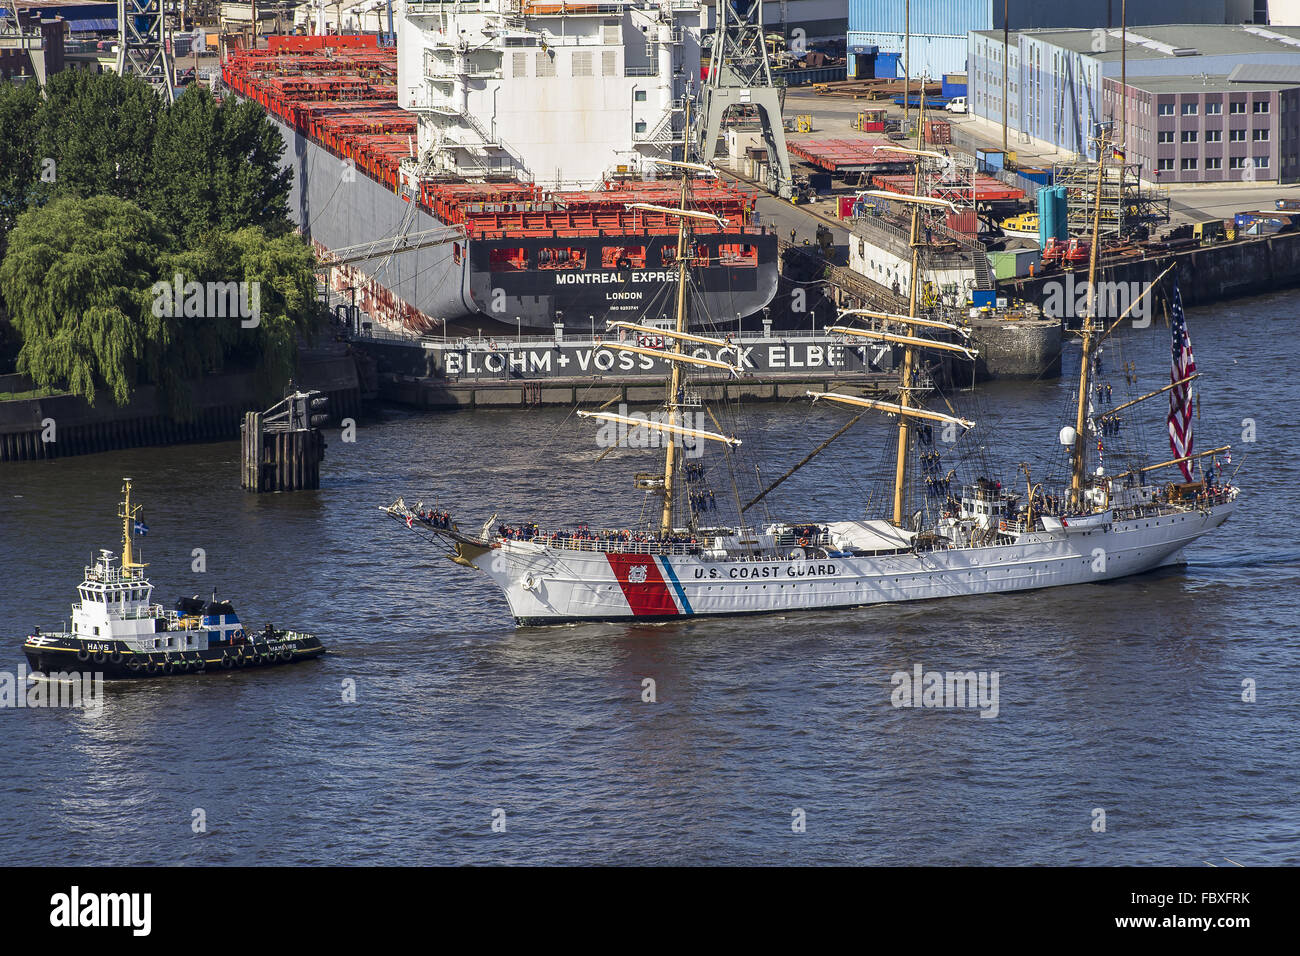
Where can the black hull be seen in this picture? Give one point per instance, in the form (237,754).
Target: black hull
(598,291)
(66,657)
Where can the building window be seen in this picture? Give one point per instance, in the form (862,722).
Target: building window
(1166,109)
(1236,162)
(1213,109)
(1166,164)
(639,96)
(1189,136)
(1189,163)
(1236,136)
(1189,109)
(640,126)
(1259,135)
(1213,162)
(1214,135)
(1237,106)
(1261,106)
(1165,136)
(1261,162)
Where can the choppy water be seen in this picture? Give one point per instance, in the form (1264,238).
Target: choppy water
(1123,696)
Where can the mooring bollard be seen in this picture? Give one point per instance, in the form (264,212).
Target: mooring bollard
(282,448)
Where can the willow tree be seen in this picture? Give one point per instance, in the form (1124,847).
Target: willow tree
(103,299)
(74,280)
(240,300)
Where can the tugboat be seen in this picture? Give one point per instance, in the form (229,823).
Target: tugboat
(117,631)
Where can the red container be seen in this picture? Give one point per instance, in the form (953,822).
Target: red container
(964,222)
(938,132)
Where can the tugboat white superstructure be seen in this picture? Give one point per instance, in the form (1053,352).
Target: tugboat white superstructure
(117,631)
(981,538)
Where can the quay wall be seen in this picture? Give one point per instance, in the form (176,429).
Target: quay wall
(1024,348)
(77,428)
(1205,274)
(447,396)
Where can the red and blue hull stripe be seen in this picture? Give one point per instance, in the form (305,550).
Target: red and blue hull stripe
(649,585)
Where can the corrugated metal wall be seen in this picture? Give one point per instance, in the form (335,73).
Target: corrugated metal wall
(929,55)
(933,17)
(959,17)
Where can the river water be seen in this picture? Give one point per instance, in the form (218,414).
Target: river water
(1123,697)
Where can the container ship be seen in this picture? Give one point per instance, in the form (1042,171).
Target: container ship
(500,164)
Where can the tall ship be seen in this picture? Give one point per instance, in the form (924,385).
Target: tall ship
(1096,513)
(503,163)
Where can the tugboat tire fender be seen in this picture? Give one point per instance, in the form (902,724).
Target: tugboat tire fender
(99,657)
(151,667)
(227,661)
(116,656)
(168,667)
(133,665)
(286,654)
(83,654)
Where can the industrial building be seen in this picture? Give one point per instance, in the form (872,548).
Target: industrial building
(939,28)
(1212,129)
(1189,104)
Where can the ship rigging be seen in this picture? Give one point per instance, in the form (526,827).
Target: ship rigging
(959,539)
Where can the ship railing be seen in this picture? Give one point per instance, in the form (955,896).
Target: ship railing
(615,546)
(576,336)
(149,611)
(788,539)
(532,8)
(640,70)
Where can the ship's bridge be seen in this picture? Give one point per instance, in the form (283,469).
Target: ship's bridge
(116,601)
(987,504)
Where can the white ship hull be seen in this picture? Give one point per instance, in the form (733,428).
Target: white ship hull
(548,585)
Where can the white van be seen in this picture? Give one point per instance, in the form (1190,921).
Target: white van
(956,105)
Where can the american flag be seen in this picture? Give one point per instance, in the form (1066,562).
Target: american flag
(1180,397)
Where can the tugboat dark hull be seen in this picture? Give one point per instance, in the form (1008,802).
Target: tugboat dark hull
(115,661)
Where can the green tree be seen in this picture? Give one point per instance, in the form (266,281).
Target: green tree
(217,166)
(277,307)
(102,299)
(20,169)
(74,280)
(98,129)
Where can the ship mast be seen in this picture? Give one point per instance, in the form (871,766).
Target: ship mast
(909,355)
(1079,453)
(675,375)
(127,514)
